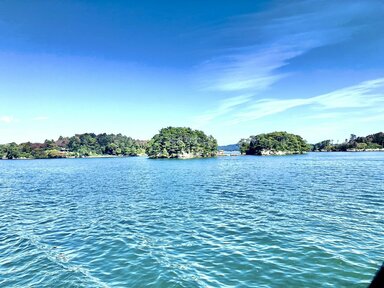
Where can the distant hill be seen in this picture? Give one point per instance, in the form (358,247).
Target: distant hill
(231,147)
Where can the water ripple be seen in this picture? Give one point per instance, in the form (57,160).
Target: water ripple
(300,221)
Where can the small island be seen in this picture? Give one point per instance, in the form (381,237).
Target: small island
(275,143)
(181,142)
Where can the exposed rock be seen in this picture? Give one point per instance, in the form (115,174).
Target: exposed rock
(366,150)
(182,155)
(265,152)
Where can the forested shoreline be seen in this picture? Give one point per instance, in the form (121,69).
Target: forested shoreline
(77,146)
(354,143)
(181,142)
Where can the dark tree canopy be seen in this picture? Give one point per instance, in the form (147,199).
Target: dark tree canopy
(181,142)
(273,143)
(325,145)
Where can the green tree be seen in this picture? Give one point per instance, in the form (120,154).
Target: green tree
(12,151)
(274,142)
(175,142)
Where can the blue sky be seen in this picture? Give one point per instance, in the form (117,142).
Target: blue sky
(229,68)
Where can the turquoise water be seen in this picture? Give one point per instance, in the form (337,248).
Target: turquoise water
(314,220)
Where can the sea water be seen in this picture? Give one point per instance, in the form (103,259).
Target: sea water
(314,220)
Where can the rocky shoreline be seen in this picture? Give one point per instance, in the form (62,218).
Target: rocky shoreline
(266,152)
(183,155)
(366,150)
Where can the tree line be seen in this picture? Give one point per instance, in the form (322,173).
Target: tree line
(370,142)
(179,142)
(170,142)
(79,145)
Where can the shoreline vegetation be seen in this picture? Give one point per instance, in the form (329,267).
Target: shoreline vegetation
(370,143)
(181,143)
(84,145)
(275,143)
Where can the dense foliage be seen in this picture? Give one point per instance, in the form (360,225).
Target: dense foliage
(325,145)
(80,145)
(273,142)
(370,142)
(180,142)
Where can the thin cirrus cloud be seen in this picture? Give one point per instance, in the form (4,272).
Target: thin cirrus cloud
(253,72)
(273,39)
(367,94)
(226,106)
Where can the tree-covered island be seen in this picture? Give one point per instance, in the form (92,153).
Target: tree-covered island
(275,143)
(80,145)
(181,142)
(373,142)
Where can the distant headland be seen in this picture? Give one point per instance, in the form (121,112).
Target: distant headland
(182,143)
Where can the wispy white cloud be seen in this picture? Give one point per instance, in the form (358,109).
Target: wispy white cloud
(224,107)
(246,71)
(326,115)
(266,107)
(265,43)
(273,38)
(364,95)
